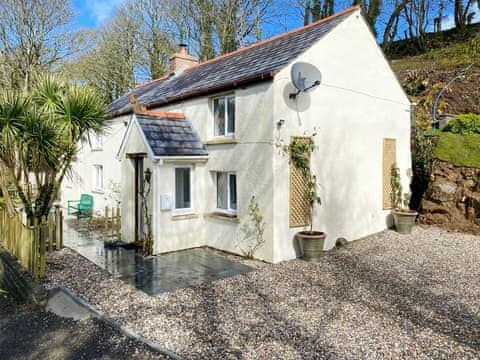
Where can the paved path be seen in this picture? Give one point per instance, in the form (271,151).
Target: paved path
(38,334)
(156,274)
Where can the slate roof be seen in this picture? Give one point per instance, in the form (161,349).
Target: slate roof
(168,137)
(254,63)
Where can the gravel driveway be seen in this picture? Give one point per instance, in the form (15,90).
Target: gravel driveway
(387,296)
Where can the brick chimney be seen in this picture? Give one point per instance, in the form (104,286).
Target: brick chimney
(182,59)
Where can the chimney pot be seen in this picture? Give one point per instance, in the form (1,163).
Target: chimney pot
(182,59)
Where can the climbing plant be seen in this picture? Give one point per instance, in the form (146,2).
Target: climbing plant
(299,152)
(253,230)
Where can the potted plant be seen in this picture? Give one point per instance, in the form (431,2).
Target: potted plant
(403,217)
(311,242)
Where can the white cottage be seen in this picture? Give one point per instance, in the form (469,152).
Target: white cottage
(209,136)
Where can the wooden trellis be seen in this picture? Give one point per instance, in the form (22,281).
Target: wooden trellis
(299,208)
(389,158)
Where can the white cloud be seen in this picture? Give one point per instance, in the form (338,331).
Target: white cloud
(101,10)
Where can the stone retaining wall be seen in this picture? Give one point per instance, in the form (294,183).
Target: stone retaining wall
(453,197)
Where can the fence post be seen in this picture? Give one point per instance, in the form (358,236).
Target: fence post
(118,225)
(58,228)
(36,247)
(43,238)
(105,219)
(113,221)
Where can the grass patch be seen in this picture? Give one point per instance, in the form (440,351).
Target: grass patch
(461,150)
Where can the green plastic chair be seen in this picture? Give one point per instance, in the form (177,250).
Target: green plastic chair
(82,208)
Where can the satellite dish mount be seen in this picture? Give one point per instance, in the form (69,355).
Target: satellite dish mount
(304,77)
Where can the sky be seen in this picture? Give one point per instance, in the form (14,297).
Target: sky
(92,13)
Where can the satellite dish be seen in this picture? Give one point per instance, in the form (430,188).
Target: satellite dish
(304,77)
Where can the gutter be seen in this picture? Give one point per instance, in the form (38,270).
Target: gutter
(232,84)
(167,158)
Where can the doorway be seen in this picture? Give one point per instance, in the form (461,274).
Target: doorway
(139,217)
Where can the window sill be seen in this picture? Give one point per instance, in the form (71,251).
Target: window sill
(98,191)
(223,216)
(184,217)
(222,140)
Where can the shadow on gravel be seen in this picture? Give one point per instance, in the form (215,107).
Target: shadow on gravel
(42,335)
(382,291)
(443,314)
(217,343)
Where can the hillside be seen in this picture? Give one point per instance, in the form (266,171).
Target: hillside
(424,73)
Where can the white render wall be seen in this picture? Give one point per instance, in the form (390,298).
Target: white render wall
(251,158)
(358,104)
(82,181)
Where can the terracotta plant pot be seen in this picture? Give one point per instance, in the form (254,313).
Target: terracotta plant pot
(404,220)
(311,243)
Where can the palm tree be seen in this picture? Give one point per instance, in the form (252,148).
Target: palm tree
(39,134)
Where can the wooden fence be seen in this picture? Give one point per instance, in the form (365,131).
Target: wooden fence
(112,221)
(30,244)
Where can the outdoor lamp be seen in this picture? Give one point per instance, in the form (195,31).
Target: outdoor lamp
(148,175)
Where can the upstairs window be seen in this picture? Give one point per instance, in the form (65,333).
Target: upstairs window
(227,192)
(97,141)
(224,115)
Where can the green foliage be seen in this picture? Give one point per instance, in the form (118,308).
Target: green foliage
(253,230)
(399,201)
(39,133)
(464,124)
(2,203)
(422,157)
(396,185)
(299,152)
(461,150)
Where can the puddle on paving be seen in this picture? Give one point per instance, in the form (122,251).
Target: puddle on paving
(156,274)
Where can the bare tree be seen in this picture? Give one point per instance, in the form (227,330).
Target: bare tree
(391,28)
(371,9)
(463,13)
(34,37)
(155,35)
(109,64)
(219,26)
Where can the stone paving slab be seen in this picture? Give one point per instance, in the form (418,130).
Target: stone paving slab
(155,274)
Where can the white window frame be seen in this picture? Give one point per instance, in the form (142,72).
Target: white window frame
(97,141)
(189,210)
(229,210)
(97,179)
(227,120)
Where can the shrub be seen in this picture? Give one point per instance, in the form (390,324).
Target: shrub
(422,157)
(464,124)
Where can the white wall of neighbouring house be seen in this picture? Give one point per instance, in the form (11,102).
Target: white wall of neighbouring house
(82,179)
(249,155)
(358,104)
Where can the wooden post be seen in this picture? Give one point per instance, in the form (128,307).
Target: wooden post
(43,238)
(36,235)
(113,222)
(58,228)
(118,225)
(105,218)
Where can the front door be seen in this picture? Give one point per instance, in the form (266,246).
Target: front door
(138,198)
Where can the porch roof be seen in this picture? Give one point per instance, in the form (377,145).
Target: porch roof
(170,137)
